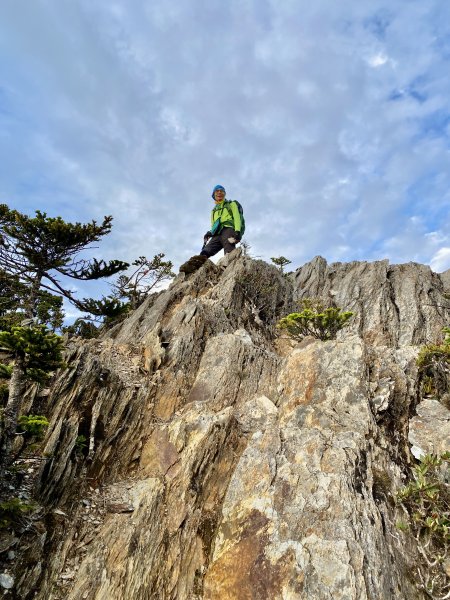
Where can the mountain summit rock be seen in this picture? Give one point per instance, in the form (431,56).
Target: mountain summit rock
(224,462)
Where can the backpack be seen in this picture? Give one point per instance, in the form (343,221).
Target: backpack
(241,212)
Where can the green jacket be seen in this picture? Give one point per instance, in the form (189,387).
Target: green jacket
(229,215)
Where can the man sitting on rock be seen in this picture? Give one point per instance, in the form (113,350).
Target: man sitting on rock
(225,231)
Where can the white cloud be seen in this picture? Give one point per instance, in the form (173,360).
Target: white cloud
(441,260)
(328,121)
(378,60)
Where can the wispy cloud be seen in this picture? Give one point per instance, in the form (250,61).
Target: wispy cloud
(441,260)
(330,122)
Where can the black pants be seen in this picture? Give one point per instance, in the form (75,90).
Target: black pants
(217,242)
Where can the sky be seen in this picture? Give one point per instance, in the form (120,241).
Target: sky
(329,121)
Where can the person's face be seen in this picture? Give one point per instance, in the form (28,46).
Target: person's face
(219,195)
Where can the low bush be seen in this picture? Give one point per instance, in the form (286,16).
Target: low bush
(426,502)
(33,425)
(12,510)
(314,319)
(80,445)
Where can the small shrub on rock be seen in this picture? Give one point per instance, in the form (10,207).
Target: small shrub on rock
(426,501)
(33,425)
(80,445)
(314,319)
(11,512)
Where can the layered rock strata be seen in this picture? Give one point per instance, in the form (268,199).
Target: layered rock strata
(394,305)
(221,462)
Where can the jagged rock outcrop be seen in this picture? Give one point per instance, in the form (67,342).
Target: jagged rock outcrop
(224,463)
(393,304)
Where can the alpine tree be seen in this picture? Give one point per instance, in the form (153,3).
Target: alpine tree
(145,277)
(39,255)
(36,352)
(49,307)
(128,292)
(280,262)
(10,300)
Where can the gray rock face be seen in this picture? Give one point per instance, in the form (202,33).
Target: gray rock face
(6,581)
(224,463)
(393,304)
(429,430)
(445,277)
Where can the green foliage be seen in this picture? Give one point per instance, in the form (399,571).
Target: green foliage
(4,393)
(96,269)
(83,328)
(431,353)
(402,526)
(280,262)
(80,444)
(35,251)
(10,300)
(314,319)
(48,308)
(33,425)
(434,365)
(147,275)
(32,235)
(128,293)
(110,308)
(12,510)
(426,500)
(40,348)
(5,371)
(428,388)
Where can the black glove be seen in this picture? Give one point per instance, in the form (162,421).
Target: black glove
(237,235)
(206,237)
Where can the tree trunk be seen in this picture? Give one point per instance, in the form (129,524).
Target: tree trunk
(10,416)
(30,306)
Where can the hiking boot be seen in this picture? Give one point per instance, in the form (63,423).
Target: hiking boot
(194,263)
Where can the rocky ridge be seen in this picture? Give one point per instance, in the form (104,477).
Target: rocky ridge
(221,462)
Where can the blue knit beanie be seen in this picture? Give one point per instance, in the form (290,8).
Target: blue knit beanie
(218,187)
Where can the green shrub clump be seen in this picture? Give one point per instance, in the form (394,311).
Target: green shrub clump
(12,510)
(315,319)
(80,445)
(33,425)
(426,501)
(5,371)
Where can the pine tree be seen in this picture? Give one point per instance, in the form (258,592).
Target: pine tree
(280,262)
(128,292)
(49,308)
(39,250)
(36,255)
(145,277)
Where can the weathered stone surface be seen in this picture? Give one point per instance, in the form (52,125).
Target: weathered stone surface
(320,536)
(445,278)
(393,304)
(221,463)
(429,431)
(6,581)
